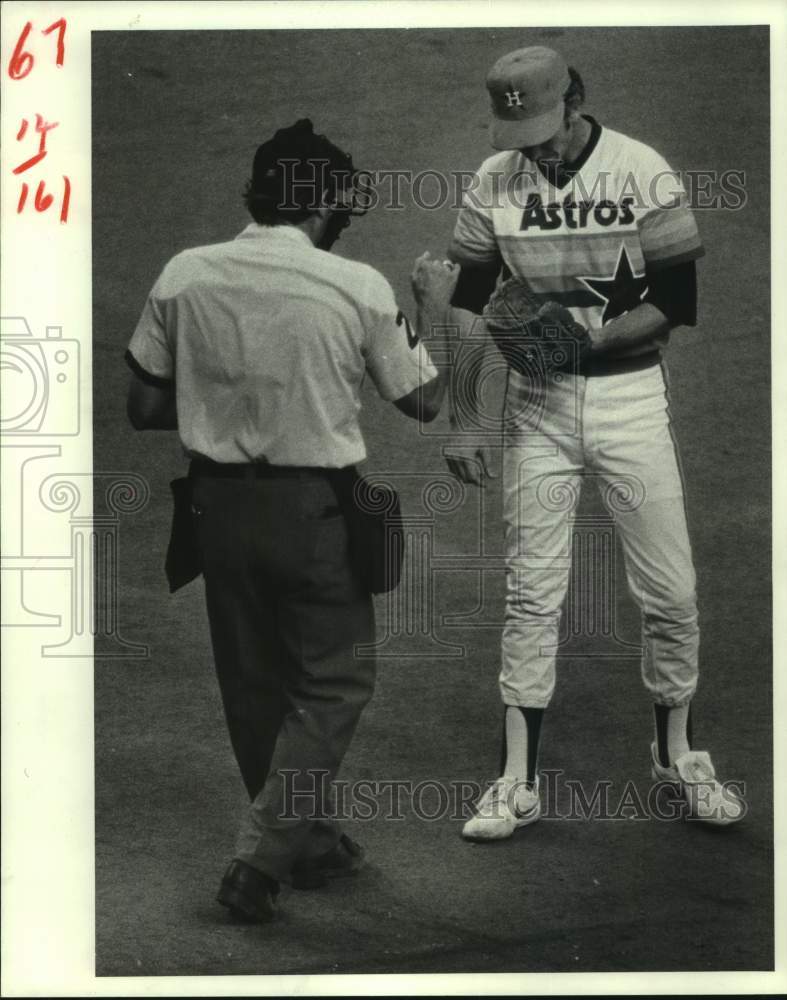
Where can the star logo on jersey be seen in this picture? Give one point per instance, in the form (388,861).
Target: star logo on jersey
(622,291)
(412,337)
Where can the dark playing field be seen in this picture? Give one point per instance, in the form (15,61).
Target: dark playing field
(176,118)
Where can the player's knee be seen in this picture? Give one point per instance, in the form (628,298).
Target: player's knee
(530,605)
(534,595)
(677,606)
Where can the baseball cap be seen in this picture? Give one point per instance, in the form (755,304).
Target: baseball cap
(527,88)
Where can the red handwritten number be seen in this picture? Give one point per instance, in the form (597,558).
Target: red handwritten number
(18,68)
(66,199)
(42,128)
(61,39)
(42,200)
(21,61)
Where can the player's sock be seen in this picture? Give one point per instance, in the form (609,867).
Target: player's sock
(673,732)
(521,734)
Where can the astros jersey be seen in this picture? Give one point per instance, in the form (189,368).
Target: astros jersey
(584,238)
(267,340)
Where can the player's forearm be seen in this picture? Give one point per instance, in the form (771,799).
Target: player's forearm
(475,358)
(640,325)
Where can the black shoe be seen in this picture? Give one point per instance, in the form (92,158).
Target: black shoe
(249,894)
(343,860)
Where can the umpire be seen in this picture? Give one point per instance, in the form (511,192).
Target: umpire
(255,350)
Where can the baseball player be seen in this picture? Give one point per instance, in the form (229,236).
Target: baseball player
(255,350)
(596,224)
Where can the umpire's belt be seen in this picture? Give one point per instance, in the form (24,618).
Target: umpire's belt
(598,364)
(254,470)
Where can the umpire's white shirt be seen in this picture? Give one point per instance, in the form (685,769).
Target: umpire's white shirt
(267,340)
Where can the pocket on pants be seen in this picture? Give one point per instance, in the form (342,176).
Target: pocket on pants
(183,561)
(330,544)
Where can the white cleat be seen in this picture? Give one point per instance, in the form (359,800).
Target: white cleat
(709,801)
(505,806)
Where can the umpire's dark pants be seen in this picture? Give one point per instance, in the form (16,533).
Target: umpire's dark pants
(286,612)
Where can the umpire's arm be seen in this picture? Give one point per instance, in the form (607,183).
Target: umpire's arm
(424,403)
(151,407)
(151,393)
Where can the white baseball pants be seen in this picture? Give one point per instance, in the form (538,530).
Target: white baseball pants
(614,429)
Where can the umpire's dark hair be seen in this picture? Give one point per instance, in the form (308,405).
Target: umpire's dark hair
(294,174)
(265,210)
(574,97)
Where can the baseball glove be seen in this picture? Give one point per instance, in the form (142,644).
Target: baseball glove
(535,337)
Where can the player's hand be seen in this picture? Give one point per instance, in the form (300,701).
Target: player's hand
(434,281)
(470,463)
